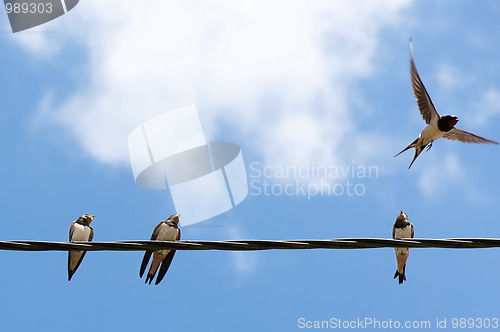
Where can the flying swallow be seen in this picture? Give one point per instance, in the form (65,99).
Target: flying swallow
(402,229)
(80,230)
(166,230)
(437,126)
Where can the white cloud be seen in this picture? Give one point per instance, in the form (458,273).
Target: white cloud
(277,72)
(450,77)
(437,178)
(245,263)
(487,106)
(467,93)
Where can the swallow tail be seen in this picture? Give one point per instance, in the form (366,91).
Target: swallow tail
(145,261)
(402,276)
(412,145)
(151,274)
(165,264)
(417,152)
(74,261)
(157,258)
(149,277)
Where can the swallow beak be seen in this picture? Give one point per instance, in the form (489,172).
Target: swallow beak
(92,218)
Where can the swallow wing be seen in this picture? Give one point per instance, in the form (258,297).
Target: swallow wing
(412,232)
(147,254)
(71,230)
(394,232)
(456,134)
(154,236)
(165,264)
(145,261)
(76,255)
(424,101)
(71,257)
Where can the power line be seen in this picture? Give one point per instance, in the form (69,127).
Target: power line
(248,245)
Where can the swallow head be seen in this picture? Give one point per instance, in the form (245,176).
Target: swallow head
(174,218)
(446,123)
(85,219)
(451,120)
(402,216)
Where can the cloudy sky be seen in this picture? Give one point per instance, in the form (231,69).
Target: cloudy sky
(293,83)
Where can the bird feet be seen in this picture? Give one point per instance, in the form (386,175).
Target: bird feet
(429,146)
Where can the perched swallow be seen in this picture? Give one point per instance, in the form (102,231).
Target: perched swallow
(166,230)
(80,230)
(437,126)
(402,229)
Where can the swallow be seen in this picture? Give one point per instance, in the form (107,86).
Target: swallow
(402,229)
(437,126)
(166,230)
(80,230)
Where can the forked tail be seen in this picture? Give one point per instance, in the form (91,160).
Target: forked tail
(402,276)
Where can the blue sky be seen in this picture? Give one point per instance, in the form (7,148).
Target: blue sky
(289,82)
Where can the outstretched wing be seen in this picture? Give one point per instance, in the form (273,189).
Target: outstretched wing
(424,101)
(456,134)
